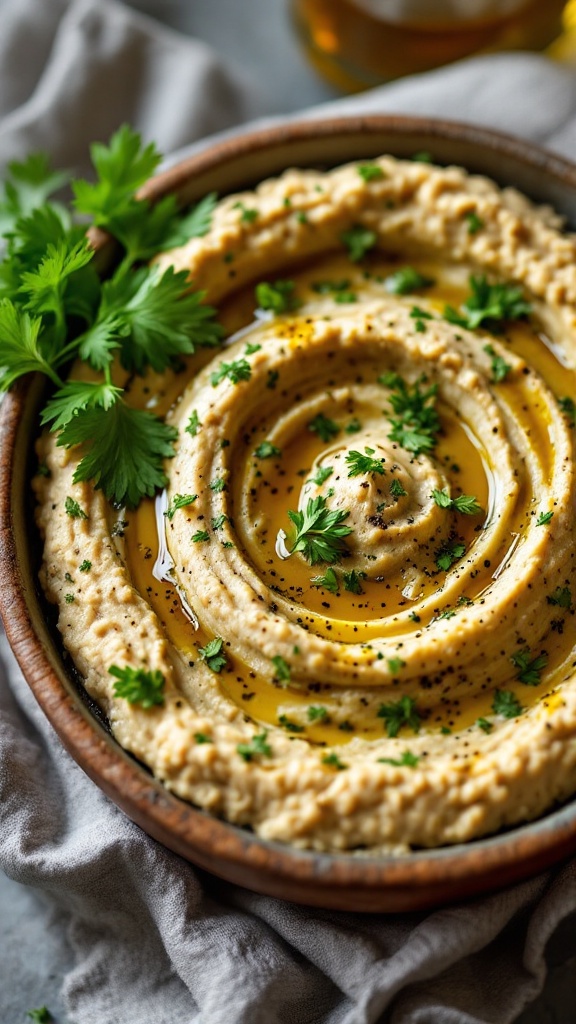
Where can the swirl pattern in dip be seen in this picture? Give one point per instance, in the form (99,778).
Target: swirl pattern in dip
(416,688)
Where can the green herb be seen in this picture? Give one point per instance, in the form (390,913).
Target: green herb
(488,304)
(370,172)
(85,566)
(358,241)
(484,724)
(416,423)
(544,518)
(499,368)
(448,613)
(218,521)
(193,424)
(330,287)
(138,685)
(529,668)
(446,731)
(506,703)
(213,654)
(463,600)
(179,501)
(352,581)
(324,427)
(41,1015)
(562,597)
(289,725)
(319,531)
(201,737)
(302,217)
(422,157)
(414,617)
(396,489)
(474,222)
(464,503)
(69,598)
(257,747)
(237,371)
(333,761)
(218,485)
(353,426)
(449,553)
(247,215)
(278,297)
(281,668)
(266,450)
(395,664)
(359,464)
(398,713)
(251,348)
(272,379)
(346,726)
(406,280)
(406,760)
(322,474)
(568,407)
(200,536)
(329,581)
(317,713)
(73,509)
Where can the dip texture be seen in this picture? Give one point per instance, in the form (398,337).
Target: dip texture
(358,586)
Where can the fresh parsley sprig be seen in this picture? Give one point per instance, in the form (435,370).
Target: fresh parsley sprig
(416,423)
(488,305)
(320,532)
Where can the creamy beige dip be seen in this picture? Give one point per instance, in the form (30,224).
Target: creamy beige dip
(422,692)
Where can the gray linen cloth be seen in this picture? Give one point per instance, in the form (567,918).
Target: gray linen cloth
(154,940)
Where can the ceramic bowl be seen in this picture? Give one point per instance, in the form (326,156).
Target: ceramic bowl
(362,883)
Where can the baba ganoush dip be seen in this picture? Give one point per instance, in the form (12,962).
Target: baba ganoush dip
(356,596)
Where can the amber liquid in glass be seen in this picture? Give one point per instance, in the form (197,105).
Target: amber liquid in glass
(356,47)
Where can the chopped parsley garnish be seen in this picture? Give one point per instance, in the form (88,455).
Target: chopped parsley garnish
(562,597)
(396,489)
(321,475)
(416,422)
(529,669)
(544,518)
(395,664)
(40,1016)
(266,450)
(352,581)
(358,241)
(179,501)
(251,348)
(218,485)
(329,581)
(85,566)
(353,426)
(73,509)
(320,531)
(506,703)
(317,713)
(339,289)
(219,521)
(499,368)
(474,222)
(406,280)
(359,464)
(449,553)
(281,668)
(247,215)
(464,503)
(484,724)
(69,598)
(193,425)
(278,297)
(488,305)
(200,536)
(272,380)
(138,685)
(288,724)
(422,157)
(406,760)
(324,427)
(333,761)
(370,172)
(213,654)
(568,407)
(237,371)
(398,713)
(201,737)
(257,747)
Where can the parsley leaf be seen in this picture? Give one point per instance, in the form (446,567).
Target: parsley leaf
(214,655)
(317,713)
(266,450)
(399,713)
(484,724)
(396,489)
(289,725)
(358,241)
(179,501)
(319,531)
(41,1016)
(363,464)
(333,761)
(329,581)
(22,348)
(499,368)
(406,280)
(352,581)
(464,503)
(73,509)
(324,427)
(257,747)
(237,371)
(488,305)
(138,686)
(416,423)
(30,183)
(278,297)
(474,222)
(124,449)
(544,518)
(322,474)
(529,669)
(200,536)
(281,668)
(122,167)
(507,704)
(193,425)
(562,597)
(370,172)
(73,397)
(406,760)
(448,553)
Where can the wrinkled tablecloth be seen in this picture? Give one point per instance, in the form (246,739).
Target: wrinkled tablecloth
(154,940)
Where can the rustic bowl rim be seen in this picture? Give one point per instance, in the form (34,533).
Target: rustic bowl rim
(416,880)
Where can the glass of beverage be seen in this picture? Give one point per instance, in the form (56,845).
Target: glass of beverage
(361,43)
